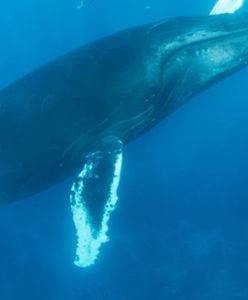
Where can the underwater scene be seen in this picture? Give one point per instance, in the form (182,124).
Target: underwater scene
(123,150)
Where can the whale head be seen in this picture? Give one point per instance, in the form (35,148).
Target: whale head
(195,52)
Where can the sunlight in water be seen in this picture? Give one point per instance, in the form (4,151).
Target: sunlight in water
(81,4)
(89,240)
(226,6)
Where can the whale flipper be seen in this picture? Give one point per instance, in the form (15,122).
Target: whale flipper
(93,197)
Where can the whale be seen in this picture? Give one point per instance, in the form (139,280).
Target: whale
(72,117)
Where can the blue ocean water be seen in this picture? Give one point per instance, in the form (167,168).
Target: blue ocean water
(180,229)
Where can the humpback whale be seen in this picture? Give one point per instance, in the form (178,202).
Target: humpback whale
(74,115)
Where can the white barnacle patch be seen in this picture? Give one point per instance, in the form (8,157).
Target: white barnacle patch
(217,56)
(89,240)
(226,7)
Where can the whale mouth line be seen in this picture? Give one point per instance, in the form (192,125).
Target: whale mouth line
(195,44)
(219,37)
(211,39)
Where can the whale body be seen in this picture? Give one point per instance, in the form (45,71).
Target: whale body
(72,116)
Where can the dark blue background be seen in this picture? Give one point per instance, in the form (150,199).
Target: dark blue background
(180,229)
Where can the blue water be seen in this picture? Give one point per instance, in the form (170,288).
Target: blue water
(180,229)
